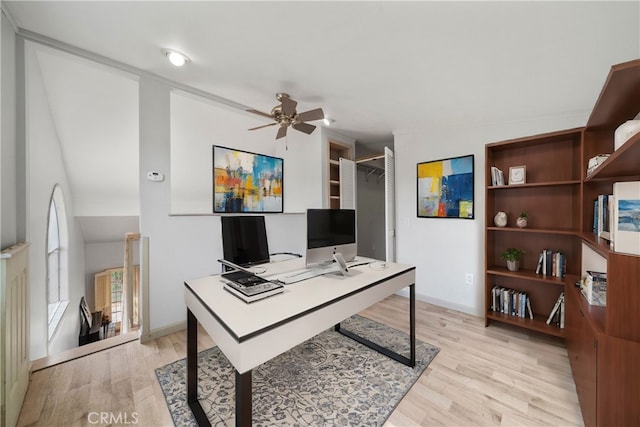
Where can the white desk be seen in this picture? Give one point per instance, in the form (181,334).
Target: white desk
(251,334)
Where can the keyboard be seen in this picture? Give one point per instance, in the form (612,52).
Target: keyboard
(304,274)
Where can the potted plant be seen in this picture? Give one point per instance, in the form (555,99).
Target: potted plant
(513,257)
(522,220)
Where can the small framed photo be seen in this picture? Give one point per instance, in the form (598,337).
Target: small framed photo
(517,175)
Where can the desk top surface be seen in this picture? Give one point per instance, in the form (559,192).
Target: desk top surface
(243,320)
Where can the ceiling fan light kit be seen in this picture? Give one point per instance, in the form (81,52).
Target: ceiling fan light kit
(286,115)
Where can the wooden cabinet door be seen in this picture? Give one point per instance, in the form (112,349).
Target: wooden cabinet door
(582,348)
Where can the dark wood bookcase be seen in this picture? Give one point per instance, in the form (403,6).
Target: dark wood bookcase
(551,199)
(603,343)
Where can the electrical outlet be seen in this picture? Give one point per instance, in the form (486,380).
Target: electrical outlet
(468,278)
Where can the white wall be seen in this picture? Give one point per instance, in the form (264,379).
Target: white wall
(46,169)
(197,124)
(444,250)
(99,257)
(177,132)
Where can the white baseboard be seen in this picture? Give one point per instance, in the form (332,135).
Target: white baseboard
(161,332)
(446,304)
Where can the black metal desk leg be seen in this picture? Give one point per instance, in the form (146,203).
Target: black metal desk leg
(244,410)
(409,361)
(192,371)
(412,324)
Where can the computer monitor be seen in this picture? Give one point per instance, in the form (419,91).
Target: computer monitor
(330,231)
(244,240)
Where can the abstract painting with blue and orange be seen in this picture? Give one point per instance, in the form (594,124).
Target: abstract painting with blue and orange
(246,182)
(445,188)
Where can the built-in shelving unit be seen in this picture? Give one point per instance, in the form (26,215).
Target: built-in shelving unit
(551,199)
(603,342)
(336,152)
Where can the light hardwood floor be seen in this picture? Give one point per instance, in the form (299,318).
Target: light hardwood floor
(482,377)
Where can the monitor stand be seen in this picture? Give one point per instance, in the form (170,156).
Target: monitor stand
(342,265)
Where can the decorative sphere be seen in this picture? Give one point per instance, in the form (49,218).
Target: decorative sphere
(500,219)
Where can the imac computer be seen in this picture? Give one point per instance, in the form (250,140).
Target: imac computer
(244,240)
(330,232)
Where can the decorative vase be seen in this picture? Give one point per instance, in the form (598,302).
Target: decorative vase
(521,222)
(513,265)
(500,220)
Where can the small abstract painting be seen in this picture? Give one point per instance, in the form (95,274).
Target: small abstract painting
(246,182)
(629,215)
(445,188)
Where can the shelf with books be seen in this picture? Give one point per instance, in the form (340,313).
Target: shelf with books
(538,323)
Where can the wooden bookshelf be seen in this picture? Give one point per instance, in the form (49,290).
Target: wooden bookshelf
(603,343)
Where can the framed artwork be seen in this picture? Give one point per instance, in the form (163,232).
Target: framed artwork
(245,182)
(445,188)
(517,175)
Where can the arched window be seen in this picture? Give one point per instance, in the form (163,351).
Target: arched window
(57,292)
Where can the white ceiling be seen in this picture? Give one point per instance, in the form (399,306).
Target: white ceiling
(375,67)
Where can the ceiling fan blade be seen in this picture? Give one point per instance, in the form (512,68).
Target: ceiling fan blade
(260,113)
(311,115)
(282,132)
(263,126)
(288,106)
(304,127)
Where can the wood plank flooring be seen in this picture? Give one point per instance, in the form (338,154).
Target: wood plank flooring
(495,376)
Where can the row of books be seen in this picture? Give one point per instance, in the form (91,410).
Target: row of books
(557,313)
(552,263)
(603,213)
(497,177)
(511,302)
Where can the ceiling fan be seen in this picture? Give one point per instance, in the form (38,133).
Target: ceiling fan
(286,115)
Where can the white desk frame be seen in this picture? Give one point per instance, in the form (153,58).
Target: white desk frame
(251,334)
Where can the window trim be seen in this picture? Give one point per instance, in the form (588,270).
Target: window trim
(56,310)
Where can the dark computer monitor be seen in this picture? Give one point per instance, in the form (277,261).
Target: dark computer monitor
(244,240)
(330,231)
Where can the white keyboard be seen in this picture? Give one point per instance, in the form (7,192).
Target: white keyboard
(304,274)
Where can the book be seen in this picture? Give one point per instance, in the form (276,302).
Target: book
(626,217)
(249,287)
(529,308)
(596,161)
(604,218)
(497,176)
(594,288)
(554,311)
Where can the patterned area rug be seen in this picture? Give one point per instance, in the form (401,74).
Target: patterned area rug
(327,380)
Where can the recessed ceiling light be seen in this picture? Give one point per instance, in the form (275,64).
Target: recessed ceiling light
(177,58)
(328,121)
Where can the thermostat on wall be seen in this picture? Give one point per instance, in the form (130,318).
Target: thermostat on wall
(155,176)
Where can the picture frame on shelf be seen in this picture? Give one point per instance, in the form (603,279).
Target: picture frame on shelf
(517,175)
